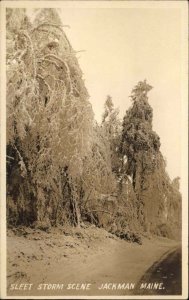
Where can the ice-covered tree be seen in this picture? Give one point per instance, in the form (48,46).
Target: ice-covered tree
(144,162)
(49,119)
(111,126)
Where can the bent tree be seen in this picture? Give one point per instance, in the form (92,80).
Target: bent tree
(49,120)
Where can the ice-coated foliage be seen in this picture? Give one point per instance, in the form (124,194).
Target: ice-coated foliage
(146,165)
(63,167)
(49,117)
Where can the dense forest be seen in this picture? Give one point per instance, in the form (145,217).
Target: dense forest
(62,166)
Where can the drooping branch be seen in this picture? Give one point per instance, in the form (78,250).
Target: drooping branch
(59,26)
(32,50)
(66,66)
(42,78)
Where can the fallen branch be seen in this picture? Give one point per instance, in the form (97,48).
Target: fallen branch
(104,211)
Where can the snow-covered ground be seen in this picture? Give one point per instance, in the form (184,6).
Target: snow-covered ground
(58,262)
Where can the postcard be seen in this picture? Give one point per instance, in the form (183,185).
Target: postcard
(94,102)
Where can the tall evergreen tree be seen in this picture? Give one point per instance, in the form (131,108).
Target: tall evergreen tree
(144,162)
(111,126)
(139,143)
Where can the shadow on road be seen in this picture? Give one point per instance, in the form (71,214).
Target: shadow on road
(167,272)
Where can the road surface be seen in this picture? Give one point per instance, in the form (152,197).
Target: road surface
(91,256)
(166,271)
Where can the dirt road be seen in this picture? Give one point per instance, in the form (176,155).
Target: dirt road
(90,256)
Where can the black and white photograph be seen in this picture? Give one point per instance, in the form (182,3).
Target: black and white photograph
(94,149)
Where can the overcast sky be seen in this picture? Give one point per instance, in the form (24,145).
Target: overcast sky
(123,46)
